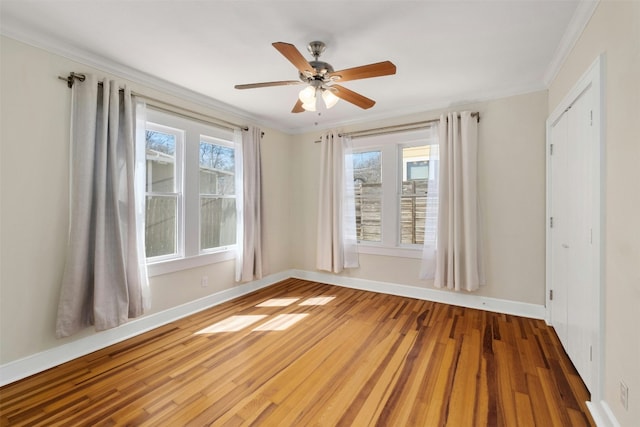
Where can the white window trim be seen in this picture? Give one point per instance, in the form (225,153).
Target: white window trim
(178,177)
(190,254)
(222,142)
(390,145)
(226,253)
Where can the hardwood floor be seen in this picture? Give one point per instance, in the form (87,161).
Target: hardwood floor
(301,353)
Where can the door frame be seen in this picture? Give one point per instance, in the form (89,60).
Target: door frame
(593,78)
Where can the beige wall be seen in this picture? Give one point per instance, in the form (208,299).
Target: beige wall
(34,213)
(512,191)
(614,30)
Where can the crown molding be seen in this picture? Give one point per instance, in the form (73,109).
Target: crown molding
(61,48)
(576,26)
(24,34)
(441,104)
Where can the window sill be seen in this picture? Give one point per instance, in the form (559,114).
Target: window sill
(402,252)
(173,265)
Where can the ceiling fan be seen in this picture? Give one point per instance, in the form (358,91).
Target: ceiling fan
(321,79)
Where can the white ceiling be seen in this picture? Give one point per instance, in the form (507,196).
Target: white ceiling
(446,52)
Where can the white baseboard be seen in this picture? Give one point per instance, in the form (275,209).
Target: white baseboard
(602,414)
(468,300)
(22,368)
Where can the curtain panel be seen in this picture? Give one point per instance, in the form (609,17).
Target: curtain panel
(336,236)
(104,281)
(428,265)
(458,254)
(249,257)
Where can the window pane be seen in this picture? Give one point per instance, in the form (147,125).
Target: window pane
(367,176)
(413,199)
(217,196)
(161,159)
(217,222)
(160,231)
(217,169)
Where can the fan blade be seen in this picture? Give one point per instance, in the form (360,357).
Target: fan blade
(294,56)
(353,97)
(268,84)
(298,107)
(378,69)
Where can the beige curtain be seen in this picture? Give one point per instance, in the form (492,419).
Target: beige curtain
(104,281)
(458,256)
(337,241)
(249,258)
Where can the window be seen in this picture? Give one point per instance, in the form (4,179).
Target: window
(163,191)
(217,193)
(190,193)
(391,176)
(413,193)
(367,177)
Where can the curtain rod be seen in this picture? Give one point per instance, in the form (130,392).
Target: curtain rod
(164,106)
(397,128)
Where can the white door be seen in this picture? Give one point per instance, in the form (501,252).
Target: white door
(559,232)
(573,281)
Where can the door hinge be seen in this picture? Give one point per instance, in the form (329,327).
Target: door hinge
(591,353)
(590,117)
(551,222)
(551,295)
(551,149)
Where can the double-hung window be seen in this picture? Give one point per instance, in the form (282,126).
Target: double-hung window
(190,193)
(164,206)
(392,175)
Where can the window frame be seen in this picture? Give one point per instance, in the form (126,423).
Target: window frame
(178,187)
(208,139)
(190,256)
(392,165)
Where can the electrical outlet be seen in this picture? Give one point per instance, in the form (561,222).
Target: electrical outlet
(204,282)
(624,395)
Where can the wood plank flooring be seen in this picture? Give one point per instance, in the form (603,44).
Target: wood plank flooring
(301,353)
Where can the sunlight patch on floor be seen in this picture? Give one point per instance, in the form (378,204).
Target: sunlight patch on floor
(281,322)
(317,301)
(278,302)
(232,324)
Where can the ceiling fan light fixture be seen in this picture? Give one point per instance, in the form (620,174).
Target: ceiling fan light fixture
(329,98)
(308,95)
(311,106)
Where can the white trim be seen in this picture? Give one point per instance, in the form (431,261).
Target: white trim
(578,23)
(22,368)
(594,78)
(440,104)
(602,414)
(399,251)
(516,308)
(173,265)
(42,41)
(58,47)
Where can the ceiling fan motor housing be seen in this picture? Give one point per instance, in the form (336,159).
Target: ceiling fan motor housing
(322,69)
(316,48)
